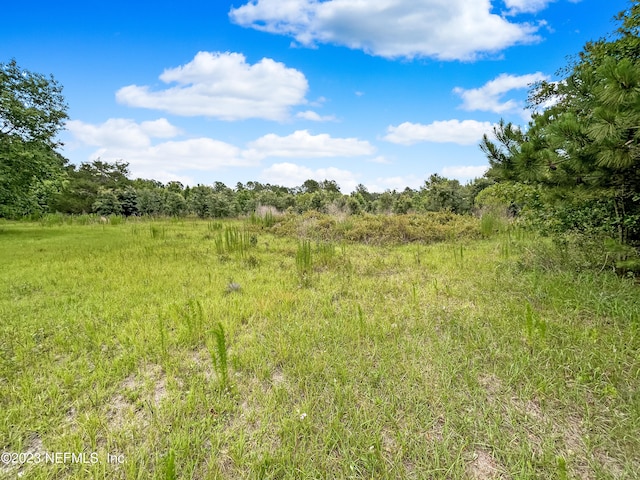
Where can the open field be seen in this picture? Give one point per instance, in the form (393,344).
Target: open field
(193,349)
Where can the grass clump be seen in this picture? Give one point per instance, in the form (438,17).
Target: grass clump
(234,240)
(263,217)
(218,353)
(191,318)
(304,262)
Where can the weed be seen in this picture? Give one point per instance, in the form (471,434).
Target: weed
(325,253)
(252,262)
(492,223)
(157,232)
(304,262)
(214,226)
(218,353)
(162,327)
(233,240)
(191,317)
(536,327)
(458,254)
(170,466)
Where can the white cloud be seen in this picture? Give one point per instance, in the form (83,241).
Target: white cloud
(224,86)
(441,29)
(123,139)
(528,6)
(174,157)
(302,144)
(466,132)
(292,175)
(314,116)
(463,173)
(489,97)
(381,159)
(398,183)
(122,131)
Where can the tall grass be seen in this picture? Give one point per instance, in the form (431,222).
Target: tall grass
(304,262)
(218,353)
(191,318)
(233,240)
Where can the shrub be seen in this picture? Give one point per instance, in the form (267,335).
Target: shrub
(380,229)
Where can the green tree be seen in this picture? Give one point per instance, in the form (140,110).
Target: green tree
(150,202)
(198,200)
(84,183)
(174,205)
(128,198)
(439,193)
(585,144)
(32,112)
(107,203)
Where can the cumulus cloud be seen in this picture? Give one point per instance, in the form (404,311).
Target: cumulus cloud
(381,159)
(398,183)
(528,6)
(124,139)
(302,144)
(122,131)
(293,175)
(489,97)
(464,172)
(445,30)
(151,154)
(466,132)
(223,86)
(314,116)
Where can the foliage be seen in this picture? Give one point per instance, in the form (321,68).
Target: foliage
(218,353)
(32,112)
(85,182)
(304,262)
(439,193)
(380,229)
(32,107)
(585,145)
(152,198)
(107,203)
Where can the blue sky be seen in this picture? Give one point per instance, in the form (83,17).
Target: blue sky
(378,92)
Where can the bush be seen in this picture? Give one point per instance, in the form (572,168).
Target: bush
(380,229)
(576,252)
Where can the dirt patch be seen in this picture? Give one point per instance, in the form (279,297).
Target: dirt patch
(201,360)
(482,466)
(277,378)
(435,434)
(138,395)
(491,384)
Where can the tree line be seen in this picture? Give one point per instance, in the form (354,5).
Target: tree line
(105,188)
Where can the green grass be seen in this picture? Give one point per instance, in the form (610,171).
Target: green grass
(460,359)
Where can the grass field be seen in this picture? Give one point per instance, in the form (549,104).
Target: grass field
(196,350)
